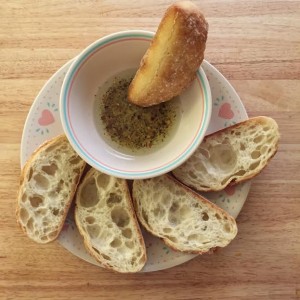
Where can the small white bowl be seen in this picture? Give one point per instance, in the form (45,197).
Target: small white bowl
(96,64)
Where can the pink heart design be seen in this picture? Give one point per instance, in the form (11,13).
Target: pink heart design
(230,190)
(225,111)
(46,118)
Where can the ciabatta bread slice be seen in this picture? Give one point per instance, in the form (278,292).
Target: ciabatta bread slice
(176,52)
(183,219)
(231,155)
(105,218)
(48,184)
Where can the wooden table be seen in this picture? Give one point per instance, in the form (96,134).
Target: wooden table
(256,45)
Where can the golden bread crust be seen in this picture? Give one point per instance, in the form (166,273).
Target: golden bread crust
(173,58)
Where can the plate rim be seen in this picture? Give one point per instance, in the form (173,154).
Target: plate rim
(32,107)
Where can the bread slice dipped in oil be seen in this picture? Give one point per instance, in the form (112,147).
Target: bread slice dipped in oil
(170,64)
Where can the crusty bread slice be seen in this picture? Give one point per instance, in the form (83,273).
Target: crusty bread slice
(48,183)
(183,219)
(105,218)
(176,52)
(231,155)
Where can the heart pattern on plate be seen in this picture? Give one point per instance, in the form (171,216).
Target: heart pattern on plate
(225,111)
(46,118)
(230,190)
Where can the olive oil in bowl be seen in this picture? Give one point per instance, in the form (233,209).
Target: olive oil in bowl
(129,128)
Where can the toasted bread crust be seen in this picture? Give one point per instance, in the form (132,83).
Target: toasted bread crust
(176,52)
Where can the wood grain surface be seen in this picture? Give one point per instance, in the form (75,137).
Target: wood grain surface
(256,45)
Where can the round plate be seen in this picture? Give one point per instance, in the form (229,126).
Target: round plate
(43,122)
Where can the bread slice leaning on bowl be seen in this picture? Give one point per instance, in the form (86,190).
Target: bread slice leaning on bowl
(105,218)
(176,52)
(185,221)
(48,183)
(231,155)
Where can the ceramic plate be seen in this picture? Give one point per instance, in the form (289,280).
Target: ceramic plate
(43,122)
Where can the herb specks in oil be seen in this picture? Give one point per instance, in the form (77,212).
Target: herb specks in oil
(131,127)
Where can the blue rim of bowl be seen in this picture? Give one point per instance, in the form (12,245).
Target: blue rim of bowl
(207,107)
